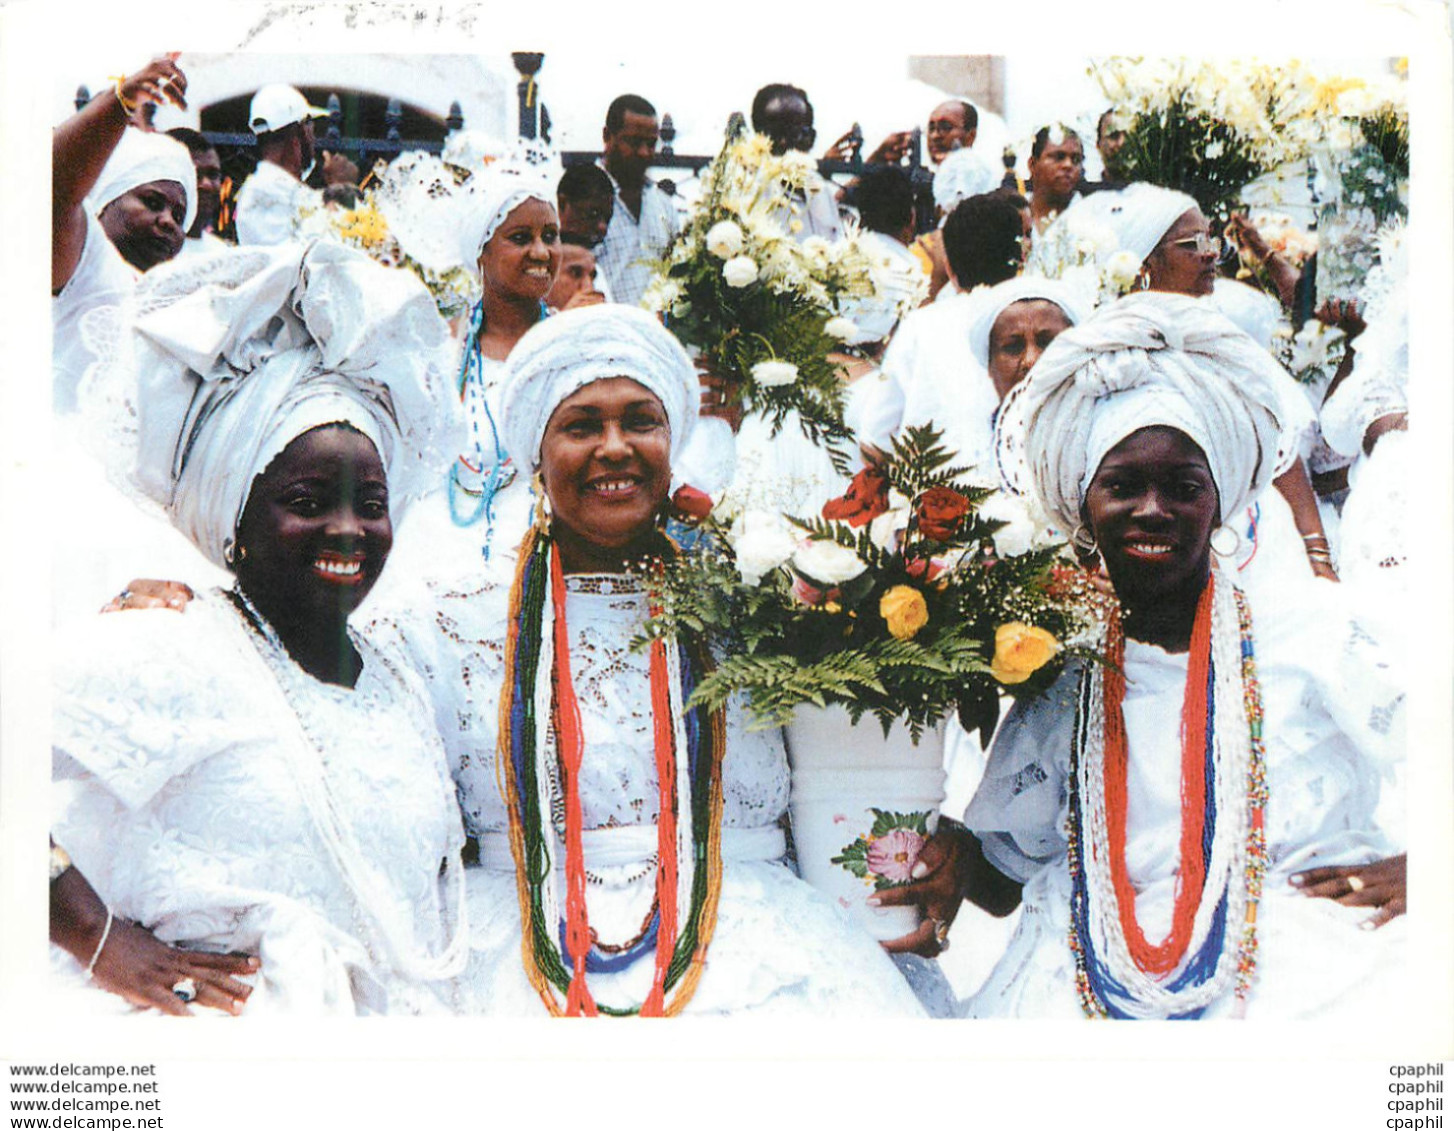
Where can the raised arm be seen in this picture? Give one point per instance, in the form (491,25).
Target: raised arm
(82,144)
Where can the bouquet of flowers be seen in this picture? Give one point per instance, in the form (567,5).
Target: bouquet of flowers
(1081,250)
(761,307)
(1207,128)
(1312,354)
(895,601)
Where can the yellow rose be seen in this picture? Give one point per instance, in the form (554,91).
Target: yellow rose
(904,609)
(1020,651)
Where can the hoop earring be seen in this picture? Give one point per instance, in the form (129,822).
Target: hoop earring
(1084,541)
(233,554)
(1143,281)
(1225,532)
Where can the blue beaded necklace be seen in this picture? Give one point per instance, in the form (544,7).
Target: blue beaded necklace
(494,465)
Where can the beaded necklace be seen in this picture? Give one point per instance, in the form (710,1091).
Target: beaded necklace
(559,949)
(375,905)
(1223,855)
(491,464)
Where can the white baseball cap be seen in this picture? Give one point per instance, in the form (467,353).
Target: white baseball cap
(279,105)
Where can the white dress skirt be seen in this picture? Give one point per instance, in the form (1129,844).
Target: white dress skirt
(1333,729)
(229,805)
(779,946)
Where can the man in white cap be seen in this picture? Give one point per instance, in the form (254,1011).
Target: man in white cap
(271,201)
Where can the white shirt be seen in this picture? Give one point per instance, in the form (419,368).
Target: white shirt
(101,278)
(630,240)
(930,375)
(270,203)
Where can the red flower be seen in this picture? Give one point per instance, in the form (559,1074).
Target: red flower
(691,505)
(867,497)
(940,512)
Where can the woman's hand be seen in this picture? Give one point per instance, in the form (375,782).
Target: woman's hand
(717,398)
(146,593)
(937,889)
(1382,884)
(159,81)
(131,962)
(136,965)
(1342,314)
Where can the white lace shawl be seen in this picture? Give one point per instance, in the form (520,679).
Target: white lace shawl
(181,779)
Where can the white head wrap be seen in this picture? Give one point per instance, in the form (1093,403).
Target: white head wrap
(531,173)
(141,158)
(994,301)
(1140,214)
(964,173)
(575,348)
(234,363)
(1147,359)
(443,216)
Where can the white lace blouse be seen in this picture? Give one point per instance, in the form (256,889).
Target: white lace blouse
(230,805)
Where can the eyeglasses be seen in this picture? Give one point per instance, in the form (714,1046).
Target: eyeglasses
(1201,243)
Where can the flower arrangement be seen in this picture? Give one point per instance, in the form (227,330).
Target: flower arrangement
(1080,250)
(762,307)
(895,601)
(1311,354)
(1207,127)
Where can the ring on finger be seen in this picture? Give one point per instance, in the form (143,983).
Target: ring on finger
(1356,884)
(185,988)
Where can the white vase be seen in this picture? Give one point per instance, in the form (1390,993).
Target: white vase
(841,773)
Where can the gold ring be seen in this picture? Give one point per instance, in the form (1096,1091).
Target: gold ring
(1356,884)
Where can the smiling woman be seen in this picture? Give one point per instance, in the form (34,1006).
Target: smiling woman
(1158,809)
(229,843)
(634,855)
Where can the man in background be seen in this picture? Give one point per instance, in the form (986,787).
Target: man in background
(272,200)
(643,220)
(201,238)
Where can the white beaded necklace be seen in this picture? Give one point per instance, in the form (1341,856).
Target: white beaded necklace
(308,763)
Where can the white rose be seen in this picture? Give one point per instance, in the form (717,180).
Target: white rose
(724,239)
(1123,268)
(844,329)
(761,542)
(739,271)
(1024,530)
(827,562)
(771,374)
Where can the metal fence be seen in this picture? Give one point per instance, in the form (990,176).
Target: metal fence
(533,121)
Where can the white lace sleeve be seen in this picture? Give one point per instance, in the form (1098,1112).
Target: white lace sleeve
(1019,810)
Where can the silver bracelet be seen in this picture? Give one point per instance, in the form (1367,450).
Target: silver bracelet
(100,946)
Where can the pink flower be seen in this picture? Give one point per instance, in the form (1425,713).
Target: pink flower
(892,855)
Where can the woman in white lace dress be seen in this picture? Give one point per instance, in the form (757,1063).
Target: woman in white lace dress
(252,782)
(633,897)
(1156,815)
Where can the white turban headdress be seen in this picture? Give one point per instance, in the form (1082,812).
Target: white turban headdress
(234,362)
(575,348)
(1147,359)
(1140,214)
(994,301)
(444,221)
(141,158)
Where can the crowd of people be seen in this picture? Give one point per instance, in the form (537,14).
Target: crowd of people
(372,730)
